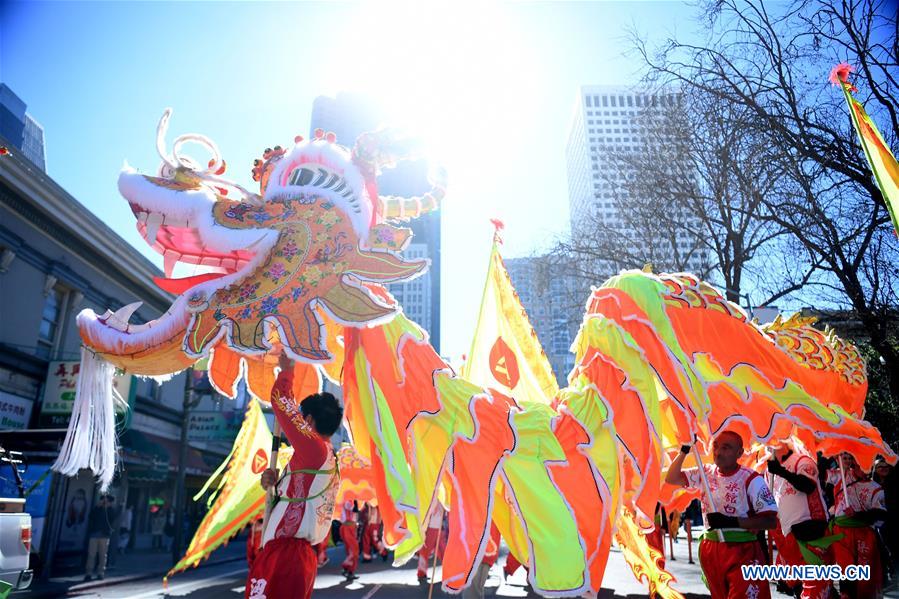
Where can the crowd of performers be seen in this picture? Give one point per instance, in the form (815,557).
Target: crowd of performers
(738,504)
(816,511)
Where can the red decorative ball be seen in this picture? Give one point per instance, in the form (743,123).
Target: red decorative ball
(319,133)
(298,139)
(331,137)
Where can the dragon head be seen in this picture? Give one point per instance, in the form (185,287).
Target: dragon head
(312,248)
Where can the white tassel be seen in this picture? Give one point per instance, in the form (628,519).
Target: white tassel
(91,441)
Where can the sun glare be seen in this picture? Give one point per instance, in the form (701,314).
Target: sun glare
(455,75)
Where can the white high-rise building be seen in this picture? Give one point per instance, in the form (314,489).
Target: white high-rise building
(545,299)
(606,121)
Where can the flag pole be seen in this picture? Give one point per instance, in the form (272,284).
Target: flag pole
(705,485)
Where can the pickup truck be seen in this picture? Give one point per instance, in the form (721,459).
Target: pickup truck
(15,529)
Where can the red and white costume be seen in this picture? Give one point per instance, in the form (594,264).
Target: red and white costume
(859,542)
(427,550)
(794,507)
(254,542)
(741,494)
(286,565)
(349,535)
(371,536)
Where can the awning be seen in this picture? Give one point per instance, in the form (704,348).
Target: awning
(194,462)
(143,458)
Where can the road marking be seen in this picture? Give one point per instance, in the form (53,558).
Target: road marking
(185,585)
(369,594)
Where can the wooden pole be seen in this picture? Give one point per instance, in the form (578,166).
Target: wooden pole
(705,485)
(272,464)
(434,566)
(688,526)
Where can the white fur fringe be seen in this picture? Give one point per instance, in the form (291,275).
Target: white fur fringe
(91,440)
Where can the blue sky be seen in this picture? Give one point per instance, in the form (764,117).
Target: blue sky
(490,86)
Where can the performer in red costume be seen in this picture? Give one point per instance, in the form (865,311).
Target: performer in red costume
(855,513)
(349,535)
(254,542)
(435,523)
(305,494)
(793,478)
(371,536)
(741,504)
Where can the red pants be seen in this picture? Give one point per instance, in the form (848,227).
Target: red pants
(656,540)
(512,565)
(721,566)
(788,553)
(427,550)
(858,546)
(321,552)
(371,538)
(351,544)
(285,568)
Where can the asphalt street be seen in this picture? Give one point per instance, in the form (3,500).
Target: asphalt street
(378,580)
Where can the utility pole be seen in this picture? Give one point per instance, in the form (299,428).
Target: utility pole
(190,402)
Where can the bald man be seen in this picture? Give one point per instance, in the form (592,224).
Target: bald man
(740,504)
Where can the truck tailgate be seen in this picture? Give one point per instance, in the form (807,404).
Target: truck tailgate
(14,529)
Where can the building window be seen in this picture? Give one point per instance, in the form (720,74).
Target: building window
(588,101)
(613,100)
(605,102)
(51,317)
(630,101)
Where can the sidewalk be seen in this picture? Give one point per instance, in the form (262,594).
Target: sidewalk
(133,566)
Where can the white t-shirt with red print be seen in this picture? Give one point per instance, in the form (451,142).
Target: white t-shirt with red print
(793,505)
(741,494)
(863,494)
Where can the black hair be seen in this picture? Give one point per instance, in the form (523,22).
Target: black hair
(325,411)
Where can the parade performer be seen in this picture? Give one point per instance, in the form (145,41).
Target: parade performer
(656,538)
(511,566)
(802,513)
(858,504)
(435,524)
(349,534)
(475,590)
(321,553)
(371,536)
(254,542)
(740,504)
(301,515)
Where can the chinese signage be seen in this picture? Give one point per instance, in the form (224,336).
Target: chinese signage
(15,411)
(59,393)
(213,426)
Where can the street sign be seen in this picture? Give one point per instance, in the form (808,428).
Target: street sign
(59,393)
(209,425)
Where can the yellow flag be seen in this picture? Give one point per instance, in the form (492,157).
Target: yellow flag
(505,352)
(881,160)
(238,499)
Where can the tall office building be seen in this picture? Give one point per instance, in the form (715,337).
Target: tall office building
(546,301)
(607,121)
(19,128)
(349,115)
